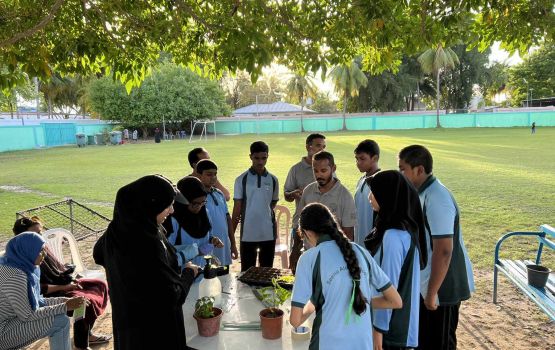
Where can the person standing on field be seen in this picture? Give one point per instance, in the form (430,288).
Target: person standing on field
(299,176)
(447,278)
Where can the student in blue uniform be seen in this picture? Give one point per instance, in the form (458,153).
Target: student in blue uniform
(189,229)
(255,195)
(447,279)
(336,279)
(400,228)
(367,155)
(218,213)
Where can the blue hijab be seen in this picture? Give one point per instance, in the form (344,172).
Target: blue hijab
(22,252)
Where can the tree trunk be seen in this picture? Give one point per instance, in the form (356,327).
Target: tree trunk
(438,124)
(344,111)
(302,115)
(11,108)
(145,132)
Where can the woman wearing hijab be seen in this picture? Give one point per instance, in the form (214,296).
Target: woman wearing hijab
(399,231)
(147,288)
(25,316)
(189,229)
(56,280)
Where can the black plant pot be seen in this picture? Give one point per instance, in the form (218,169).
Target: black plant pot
(537,275)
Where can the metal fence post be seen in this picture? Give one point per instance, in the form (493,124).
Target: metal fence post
(70,202)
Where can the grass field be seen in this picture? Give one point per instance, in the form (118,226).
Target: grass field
(503,179)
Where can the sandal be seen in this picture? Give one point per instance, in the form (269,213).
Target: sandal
(99,339)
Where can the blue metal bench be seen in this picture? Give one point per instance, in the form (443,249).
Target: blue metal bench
(516,271)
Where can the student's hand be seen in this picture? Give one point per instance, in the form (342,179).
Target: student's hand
(76,302)
(234,252)
(193,267)
(297,194)
(72,286)
(217,242)
(378,339)
(430,301)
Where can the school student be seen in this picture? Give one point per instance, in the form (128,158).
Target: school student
(367,155)
(299,176)
(197,154)
(216,207)
(255,195)
(336,279)
(447,278)
(400,228)
(188,228)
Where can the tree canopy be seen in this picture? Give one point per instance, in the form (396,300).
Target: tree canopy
(171,93)
(125,38)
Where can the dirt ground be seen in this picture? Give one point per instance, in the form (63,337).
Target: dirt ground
(514,323)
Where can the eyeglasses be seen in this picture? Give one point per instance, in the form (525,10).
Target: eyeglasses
(198,204)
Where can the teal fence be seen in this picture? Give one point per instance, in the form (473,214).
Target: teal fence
(45,135)
(381,122)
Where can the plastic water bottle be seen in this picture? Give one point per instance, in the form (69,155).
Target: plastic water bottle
(210,286)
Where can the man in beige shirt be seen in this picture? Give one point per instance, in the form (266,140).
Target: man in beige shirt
(329,191)
(299,176)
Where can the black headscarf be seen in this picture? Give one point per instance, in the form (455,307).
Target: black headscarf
(196,225)
(399,208)
(141,264)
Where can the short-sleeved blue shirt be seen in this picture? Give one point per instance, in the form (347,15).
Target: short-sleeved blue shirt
(441,215)
(323,278)
(257,194)
(365,213)
(216,207)
(188,240)
(400,326)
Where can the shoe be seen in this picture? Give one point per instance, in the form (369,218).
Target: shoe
(99,338)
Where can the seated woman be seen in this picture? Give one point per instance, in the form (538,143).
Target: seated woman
(336,279)
(25,316)
(56,281)
(189,228)
(399,230)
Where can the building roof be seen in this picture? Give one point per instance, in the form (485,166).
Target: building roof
(272,108)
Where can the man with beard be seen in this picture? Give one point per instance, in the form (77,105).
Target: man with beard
(329,191)
(299,176)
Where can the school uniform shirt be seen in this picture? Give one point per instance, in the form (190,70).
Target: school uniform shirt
(257,193)
(299,176)
(216,207)
(399,258)
(441,218)
(323,278)
(365,213)
(338,199)
(188,245)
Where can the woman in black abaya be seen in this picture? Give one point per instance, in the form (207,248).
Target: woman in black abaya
(146,287)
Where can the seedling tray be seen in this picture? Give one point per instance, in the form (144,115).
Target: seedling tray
(262,276)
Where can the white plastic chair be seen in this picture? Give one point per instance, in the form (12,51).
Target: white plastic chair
(282,249)
(55,239)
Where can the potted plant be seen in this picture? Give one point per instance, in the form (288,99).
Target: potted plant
(271,318)
(208,317)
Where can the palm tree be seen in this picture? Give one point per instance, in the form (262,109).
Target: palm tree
(434,61)
(298,89)
(348,78)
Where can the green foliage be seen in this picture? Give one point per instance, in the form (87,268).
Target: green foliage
(323,104)
(458,83)
(25,89)
(241,91)
(299,88)
(204,307)
(348,79)
(171,92)
(535,73)
(275,295)
(125,38)
(495,81)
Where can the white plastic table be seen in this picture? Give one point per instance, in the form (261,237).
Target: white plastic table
(239,305)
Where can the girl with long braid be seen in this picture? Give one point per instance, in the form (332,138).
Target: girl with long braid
(336,279)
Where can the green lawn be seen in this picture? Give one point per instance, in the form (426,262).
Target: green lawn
(503,179)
